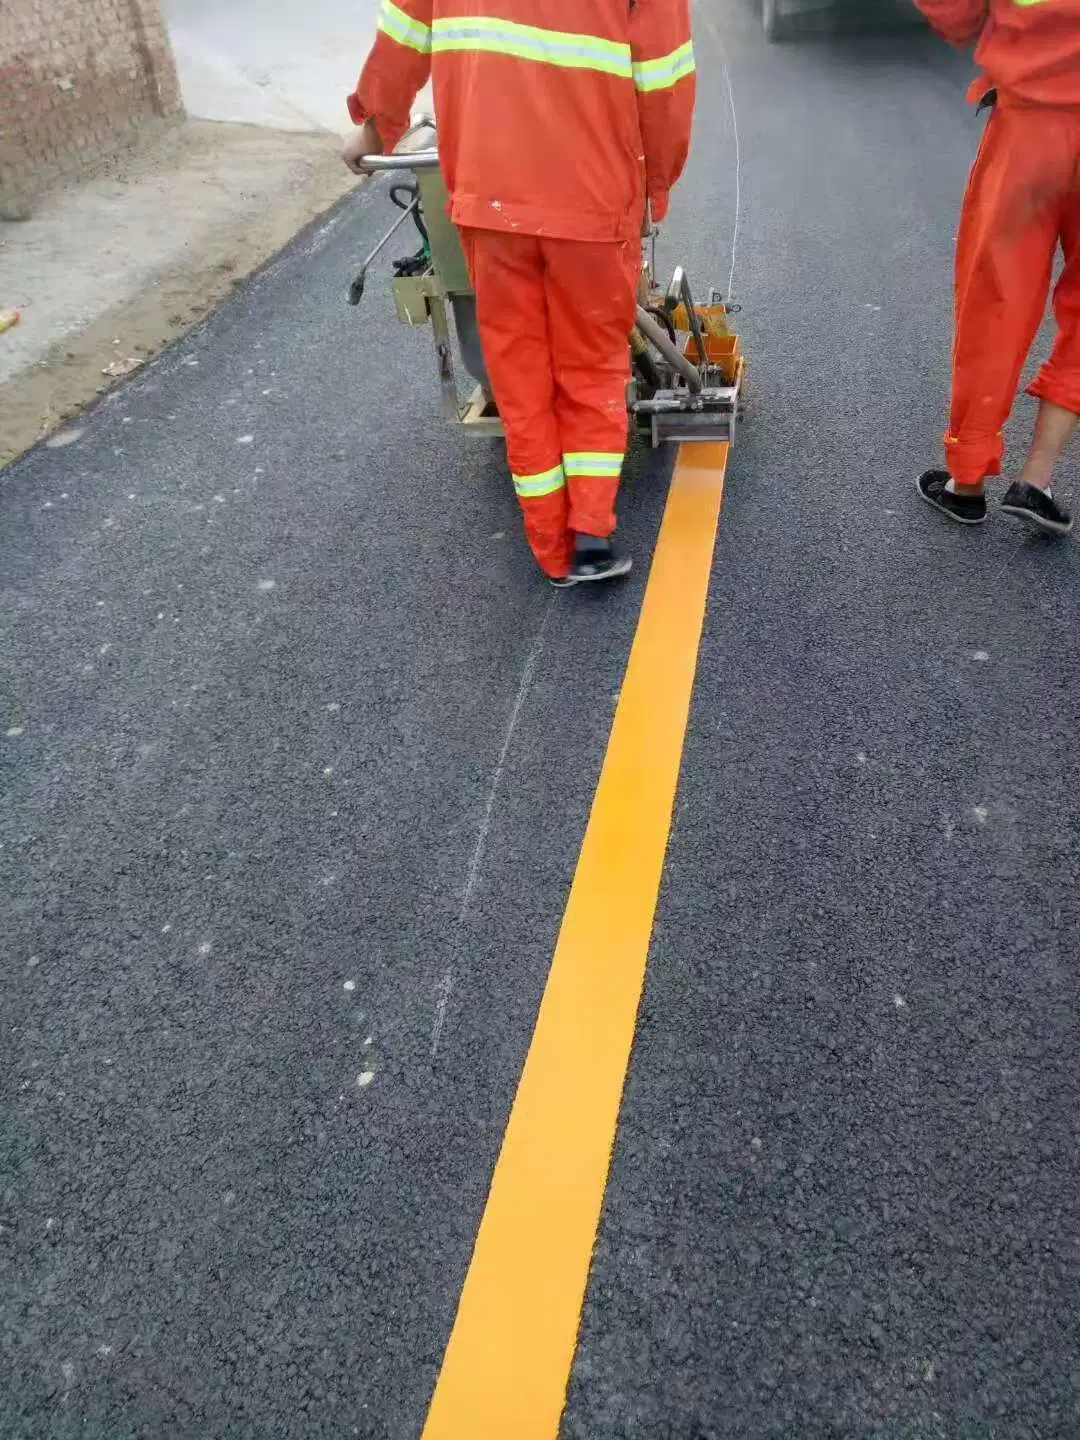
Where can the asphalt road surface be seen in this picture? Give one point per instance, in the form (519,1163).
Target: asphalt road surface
(264,627)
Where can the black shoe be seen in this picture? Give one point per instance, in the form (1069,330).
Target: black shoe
(1037,508)
(964,509)
(597,560)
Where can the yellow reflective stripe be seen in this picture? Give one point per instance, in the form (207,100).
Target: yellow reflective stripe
(529,42)
(595,462)
(403,28)
(662,74)
(532,487)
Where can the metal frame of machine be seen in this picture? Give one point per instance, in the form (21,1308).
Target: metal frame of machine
(688,366)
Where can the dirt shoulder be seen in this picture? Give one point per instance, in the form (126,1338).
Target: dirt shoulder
(109,271)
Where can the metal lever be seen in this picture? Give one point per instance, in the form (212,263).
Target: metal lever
(679,289)
(356,289)
(410,160)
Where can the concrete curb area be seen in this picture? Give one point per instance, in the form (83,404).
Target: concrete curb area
(111,270)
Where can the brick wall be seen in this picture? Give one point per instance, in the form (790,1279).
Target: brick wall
(78,79)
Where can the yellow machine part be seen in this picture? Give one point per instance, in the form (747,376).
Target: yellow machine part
(722,347)
(713,319)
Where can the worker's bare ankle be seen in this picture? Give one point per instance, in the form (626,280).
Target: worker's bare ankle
(1037,478)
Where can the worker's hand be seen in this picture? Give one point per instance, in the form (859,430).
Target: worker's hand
(363,141)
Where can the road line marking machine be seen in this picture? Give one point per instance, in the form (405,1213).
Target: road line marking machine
(688,373)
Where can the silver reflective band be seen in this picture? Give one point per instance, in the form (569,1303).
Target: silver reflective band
(667,71)
(596,463)
(404,29)
(533,487)
(530,42)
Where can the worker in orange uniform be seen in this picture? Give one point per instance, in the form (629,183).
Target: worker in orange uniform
(1023,201)
(561,128)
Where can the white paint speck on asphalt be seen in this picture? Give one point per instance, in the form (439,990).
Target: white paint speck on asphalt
(365,1078)
(350,986)
(245,440)
(266,585)
(14,731)
(981,813)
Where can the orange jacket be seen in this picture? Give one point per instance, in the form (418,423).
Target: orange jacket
(556,118)
(1027,50)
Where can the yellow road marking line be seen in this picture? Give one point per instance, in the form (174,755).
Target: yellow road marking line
(508,1363)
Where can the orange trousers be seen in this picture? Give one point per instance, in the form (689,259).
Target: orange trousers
(555,318)
(1023,201)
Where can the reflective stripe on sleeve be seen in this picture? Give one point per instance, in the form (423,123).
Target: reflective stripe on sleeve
(667,71)
(404,29)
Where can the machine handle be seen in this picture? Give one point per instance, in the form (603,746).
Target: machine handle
(417,160)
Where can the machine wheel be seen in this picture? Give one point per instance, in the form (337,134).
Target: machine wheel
(777,24)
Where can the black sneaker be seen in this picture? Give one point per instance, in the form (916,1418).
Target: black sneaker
(597,560)
(1036,508)
(964,509)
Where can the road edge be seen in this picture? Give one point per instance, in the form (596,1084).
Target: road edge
(69,379)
